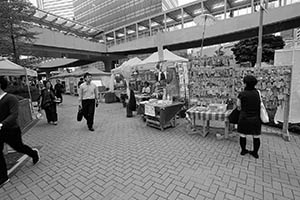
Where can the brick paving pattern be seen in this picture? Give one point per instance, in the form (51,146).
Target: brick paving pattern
(125,159)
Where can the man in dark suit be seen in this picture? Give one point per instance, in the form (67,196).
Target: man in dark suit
(10,132)
(59,88)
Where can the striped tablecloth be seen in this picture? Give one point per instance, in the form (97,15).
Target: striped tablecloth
(197,113)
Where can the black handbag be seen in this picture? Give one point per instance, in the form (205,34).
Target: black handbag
(79,114)
(234,116)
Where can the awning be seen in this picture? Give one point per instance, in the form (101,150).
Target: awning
(8,68)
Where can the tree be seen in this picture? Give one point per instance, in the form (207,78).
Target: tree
(246,50)
(15,27)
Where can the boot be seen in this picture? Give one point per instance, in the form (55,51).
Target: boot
(243,142)
(256,145)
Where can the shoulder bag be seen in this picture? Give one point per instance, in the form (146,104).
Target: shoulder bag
(263,112)
(234,116)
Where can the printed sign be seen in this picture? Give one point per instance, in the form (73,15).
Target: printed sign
(149,110)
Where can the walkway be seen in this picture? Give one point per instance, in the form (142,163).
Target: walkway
(124,159)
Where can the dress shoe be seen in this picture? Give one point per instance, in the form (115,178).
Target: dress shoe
(3,181)
(91,129)
(36,157)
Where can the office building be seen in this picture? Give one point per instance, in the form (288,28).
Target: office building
(63,8)
(110,14)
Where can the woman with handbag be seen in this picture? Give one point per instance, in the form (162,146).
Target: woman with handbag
(249,122)
(47,102)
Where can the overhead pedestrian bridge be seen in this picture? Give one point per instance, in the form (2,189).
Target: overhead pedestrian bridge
(236,20)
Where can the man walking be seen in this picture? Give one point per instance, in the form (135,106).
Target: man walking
(88,99)
(59,88)
(10,132)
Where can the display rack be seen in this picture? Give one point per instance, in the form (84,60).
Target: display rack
(220,84)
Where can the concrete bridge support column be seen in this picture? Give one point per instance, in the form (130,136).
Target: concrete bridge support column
(109,64)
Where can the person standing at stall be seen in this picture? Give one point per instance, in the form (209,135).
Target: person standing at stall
(146,89)
(88,99)
(47,101)
(249,122)
(131,106)
(10,132)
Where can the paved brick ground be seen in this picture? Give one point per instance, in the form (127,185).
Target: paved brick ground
(124,159)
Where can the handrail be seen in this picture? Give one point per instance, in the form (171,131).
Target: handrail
(190,19)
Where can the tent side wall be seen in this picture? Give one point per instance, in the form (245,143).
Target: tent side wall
(286,58)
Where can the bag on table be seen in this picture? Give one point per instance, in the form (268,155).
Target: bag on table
(234,116)
(263,112)
(79,114)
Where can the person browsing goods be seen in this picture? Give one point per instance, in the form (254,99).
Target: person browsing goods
(88,99)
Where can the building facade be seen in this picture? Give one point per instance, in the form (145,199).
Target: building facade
(63,8)
(110,14)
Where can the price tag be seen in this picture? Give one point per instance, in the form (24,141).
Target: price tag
(149,110)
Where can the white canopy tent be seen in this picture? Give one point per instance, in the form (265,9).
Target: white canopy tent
(151,62)
(127,67)
(168,56)
(8,68)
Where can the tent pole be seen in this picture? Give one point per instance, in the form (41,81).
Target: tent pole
(29,92)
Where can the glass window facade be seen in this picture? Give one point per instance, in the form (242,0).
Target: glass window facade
(63,8)
(111,14)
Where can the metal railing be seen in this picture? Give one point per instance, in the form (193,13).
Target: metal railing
(236,11)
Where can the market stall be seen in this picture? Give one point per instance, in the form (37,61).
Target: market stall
(165,78)
(161,114)
(205,115)
(221,85)
(119,80)
(70,80)
(172,68)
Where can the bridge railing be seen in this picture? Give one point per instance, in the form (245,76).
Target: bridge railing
(235,11)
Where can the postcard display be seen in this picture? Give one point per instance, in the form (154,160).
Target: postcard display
(222,84)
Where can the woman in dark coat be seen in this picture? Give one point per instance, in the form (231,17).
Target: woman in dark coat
(47,102)
(249,120)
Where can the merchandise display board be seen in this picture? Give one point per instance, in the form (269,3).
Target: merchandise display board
(219,85)
(212,85)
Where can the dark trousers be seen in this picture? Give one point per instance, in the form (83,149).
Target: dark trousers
(51,113)
(128,111)
(58,95)
(13,138)
(88,108)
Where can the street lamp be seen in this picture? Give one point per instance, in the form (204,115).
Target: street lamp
(204,20)
(260,33)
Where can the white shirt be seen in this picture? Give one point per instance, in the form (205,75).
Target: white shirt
(146,90)
(88,91)
(3,95)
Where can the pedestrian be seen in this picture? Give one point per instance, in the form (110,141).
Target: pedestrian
(10,132)
(88,99)
(131,106)
(59,89)
(47,101)
(249,122)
